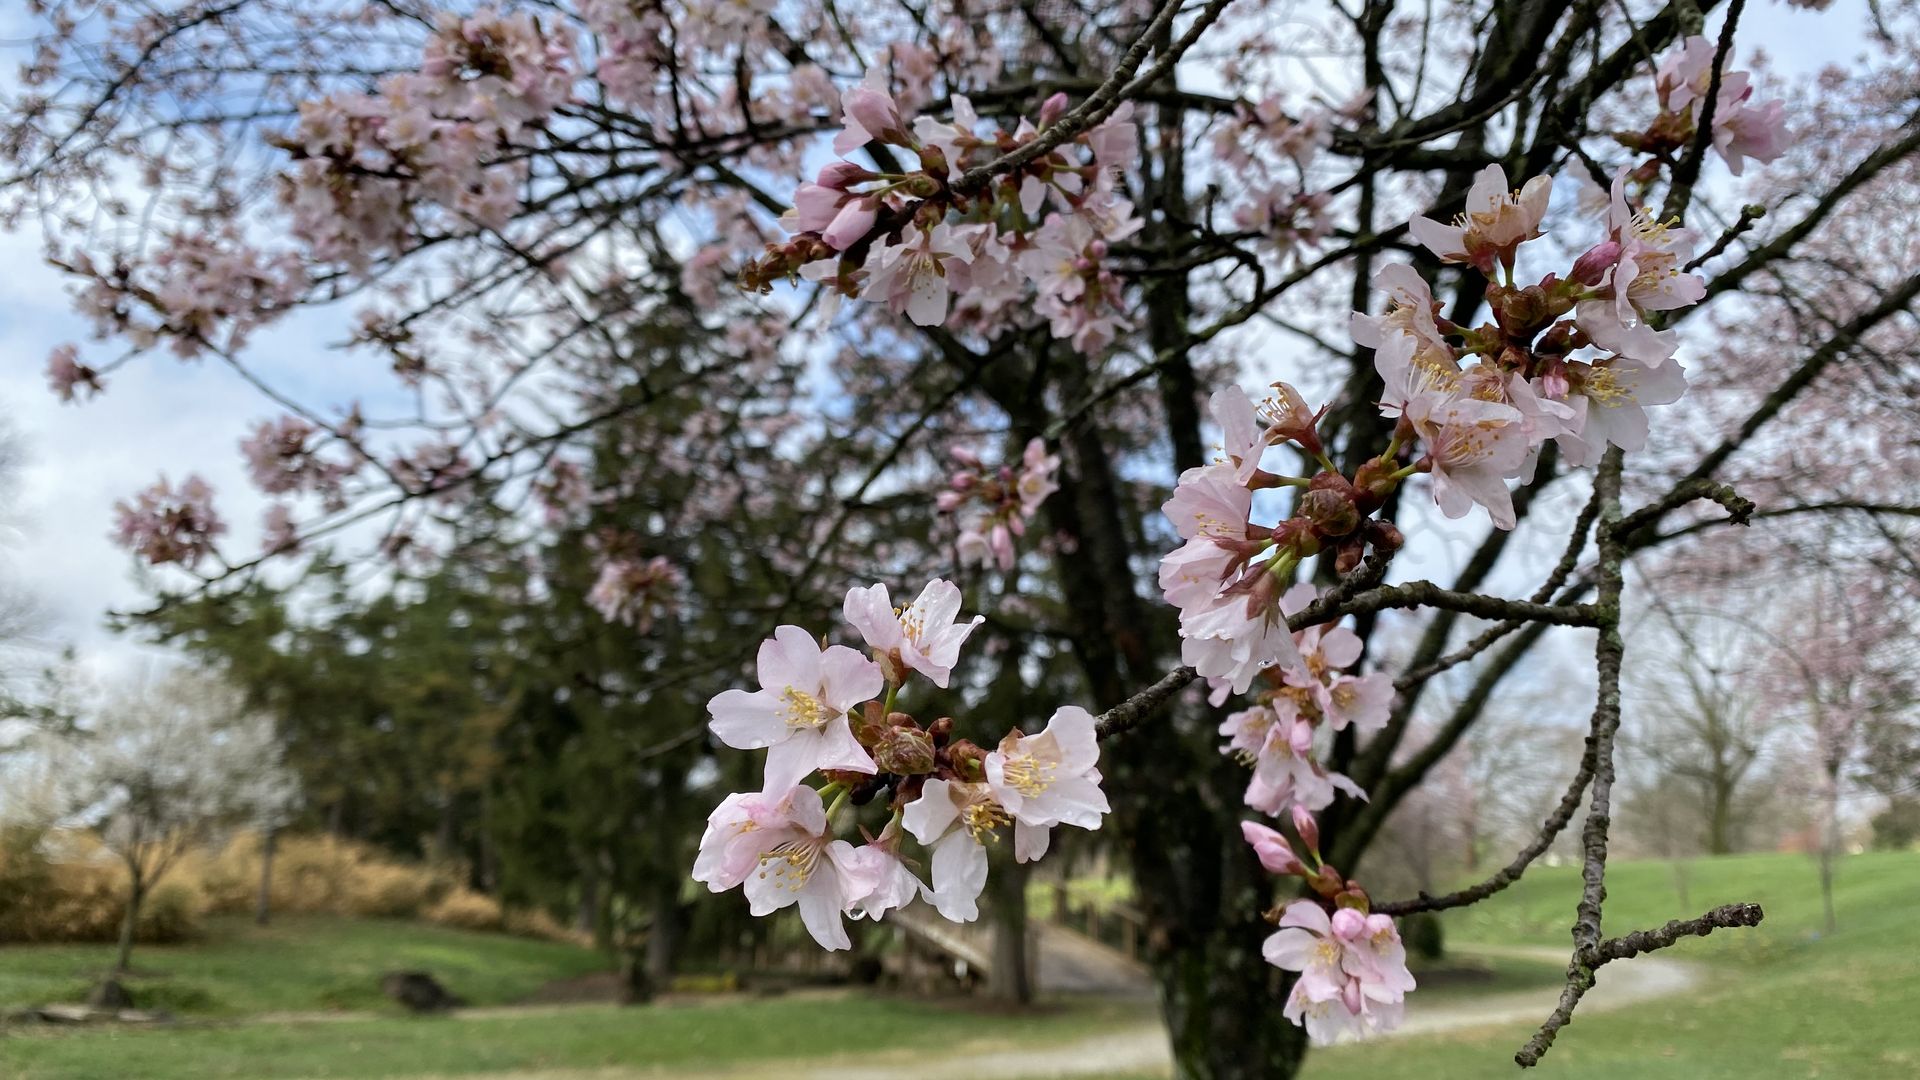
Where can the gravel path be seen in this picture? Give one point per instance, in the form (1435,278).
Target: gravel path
(1144,1049)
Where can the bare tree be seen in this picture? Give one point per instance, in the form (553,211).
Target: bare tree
(1704,720)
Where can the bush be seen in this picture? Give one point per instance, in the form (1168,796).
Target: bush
(82,899)
(80,895)
(1897,828)
(465,909)
(317,875)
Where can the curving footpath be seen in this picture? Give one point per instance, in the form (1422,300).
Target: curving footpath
(1144,1049)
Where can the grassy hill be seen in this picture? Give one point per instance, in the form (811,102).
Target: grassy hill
(297,964)
(1784,1000)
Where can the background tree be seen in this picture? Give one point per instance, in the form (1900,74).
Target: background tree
(158,767)
(529,216)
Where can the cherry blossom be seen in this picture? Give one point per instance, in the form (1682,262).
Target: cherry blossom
(1495,222)
(925,636)
(634,591)
(164,524)
(1049,779)
(1350,962)
(67,375)
(800,713)
(955,820)
(780,847)
(918,276)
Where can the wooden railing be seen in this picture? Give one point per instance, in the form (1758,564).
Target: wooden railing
(1114,924)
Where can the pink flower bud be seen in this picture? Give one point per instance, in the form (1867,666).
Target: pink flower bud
(1591,268)
(1350,996)
(1552,384)
(1272,848)
(1053,108)
(963,481)
(964,456)
(1308,828)
(850,224)
(1002,544)
(1349,924)
(875,111)
(840,175)
(948,501)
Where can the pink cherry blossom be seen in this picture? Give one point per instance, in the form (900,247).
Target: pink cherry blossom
(1473,446)
(66,374)
(955,820)
(895,885)
(870,113)
(167,525)
(1272,848)
(800,713)
(780,846)
(633,591)
(1610,399)
(925,636)
(1051,778)
(1350,963)
(918,276)
(1495,222)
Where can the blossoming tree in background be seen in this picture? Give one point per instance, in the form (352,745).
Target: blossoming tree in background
(812,269)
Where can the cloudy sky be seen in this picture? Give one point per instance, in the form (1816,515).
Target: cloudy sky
(161,415)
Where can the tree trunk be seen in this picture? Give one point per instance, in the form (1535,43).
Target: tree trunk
(128,922)
(1829,847)
(263,903)
(1720,821)
(1012,959)
(663,940)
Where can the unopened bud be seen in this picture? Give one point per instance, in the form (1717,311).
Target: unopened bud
(1331,512)
(906,751)
(1052,109)
(1308,829)
(940,731)
(1349,555)
(872,725)
(968,761)
(1385,537)
(1519,310)
(1591,268)
(1272,848)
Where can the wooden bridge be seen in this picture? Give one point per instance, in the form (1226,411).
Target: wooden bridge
(1098,956)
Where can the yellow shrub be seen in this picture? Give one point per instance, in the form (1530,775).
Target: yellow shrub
(465,909)
(80,893)
(84,901)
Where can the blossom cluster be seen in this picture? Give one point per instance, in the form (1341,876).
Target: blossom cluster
(366,165)
(1351,962)
(1317,691)
(633,591)
(1005,500)
(1230,577)
(1574,357)
(164,524)
(1742,129)
(1271,153)
(833,711)
(914,241)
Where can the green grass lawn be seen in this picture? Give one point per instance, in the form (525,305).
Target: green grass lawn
(296,964)
(1784,1001)
(579,1037)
